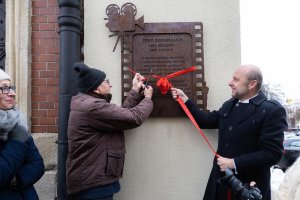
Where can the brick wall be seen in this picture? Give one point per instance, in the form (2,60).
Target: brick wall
(45,66)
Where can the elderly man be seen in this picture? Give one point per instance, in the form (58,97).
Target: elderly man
(96,133)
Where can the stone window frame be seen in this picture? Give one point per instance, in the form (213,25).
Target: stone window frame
(18,51)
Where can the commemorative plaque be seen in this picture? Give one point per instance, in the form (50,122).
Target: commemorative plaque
(158,50)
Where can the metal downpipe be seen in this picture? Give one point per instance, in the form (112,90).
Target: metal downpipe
(70,25)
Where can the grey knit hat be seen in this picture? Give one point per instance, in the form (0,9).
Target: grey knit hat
(88,78)
(4,75)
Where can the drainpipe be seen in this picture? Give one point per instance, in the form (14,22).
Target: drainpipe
(70,29)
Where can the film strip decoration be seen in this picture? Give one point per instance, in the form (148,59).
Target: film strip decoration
(160,49)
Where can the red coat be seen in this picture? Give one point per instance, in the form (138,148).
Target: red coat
(96,140)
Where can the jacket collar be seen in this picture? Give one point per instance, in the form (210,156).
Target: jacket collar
(106,97)
(257,100)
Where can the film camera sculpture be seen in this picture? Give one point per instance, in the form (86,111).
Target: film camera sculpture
(122,21)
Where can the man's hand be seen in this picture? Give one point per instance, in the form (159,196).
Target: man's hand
(137,82)
(176,93)
(148,91)
(225,163)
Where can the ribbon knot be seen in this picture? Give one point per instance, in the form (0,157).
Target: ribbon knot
(164,85)
(163,82)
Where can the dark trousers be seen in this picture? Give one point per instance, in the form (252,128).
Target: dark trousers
(102,198)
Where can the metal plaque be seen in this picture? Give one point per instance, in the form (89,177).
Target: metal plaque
(157,50)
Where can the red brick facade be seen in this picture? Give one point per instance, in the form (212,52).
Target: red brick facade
(45,66)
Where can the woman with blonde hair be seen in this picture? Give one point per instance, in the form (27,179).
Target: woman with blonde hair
(21,164)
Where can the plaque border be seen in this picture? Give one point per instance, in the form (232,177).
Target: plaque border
(195,29)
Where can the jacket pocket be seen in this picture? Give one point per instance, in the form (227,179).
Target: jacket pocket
(115,163)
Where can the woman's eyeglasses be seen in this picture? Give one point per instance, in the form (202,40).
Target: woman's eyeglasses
(6,89)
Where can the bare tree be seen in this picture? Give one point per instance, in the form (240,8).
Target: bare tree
(274,91)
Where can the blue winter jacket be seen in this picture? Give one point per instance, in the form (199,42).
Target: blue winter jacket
(24,161)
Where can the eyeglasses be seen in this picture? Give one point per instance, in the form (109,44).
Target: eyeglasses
(6,89)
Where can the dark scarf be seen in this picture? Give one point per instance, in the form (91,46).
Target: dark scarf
(8,120)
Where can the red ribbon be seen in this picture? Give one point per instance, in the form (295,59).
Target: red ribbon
(131,70)
(188,113)
(163,82)
(164,85)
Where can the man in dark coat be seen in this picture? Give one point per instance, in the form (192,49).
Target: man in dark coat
(96,133)
(250,133)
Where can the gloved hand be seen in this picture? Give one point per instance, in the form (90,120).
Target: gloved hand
(20,133)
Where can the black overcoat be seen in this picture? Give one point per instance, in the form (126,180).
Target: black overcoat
(251,134)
